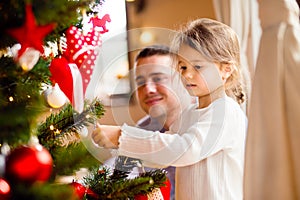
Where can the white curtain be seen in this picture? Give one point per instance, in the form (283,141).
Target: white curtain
(272,163)
(242,16)
(273,56)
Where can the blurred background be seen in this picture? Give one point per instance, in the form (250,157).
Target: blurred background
(148,22)
(153,22)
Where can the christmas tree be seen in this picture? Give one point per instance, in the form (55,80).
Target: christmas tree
(43,109)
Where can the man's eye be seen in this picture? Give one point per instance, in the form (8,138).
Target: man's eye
(198,67)
(140,83)
(156,79)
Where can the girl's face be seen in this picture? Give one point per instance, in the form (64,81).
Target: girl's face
(200,76)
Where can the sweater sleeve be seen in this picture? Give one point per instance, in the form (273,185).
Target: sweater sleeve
(154,147)
(190,145)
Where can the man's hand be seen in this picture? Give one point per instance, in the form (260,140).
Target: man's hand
(107,136)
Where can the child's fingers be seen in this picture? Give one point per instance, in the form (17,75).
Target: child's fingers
(102,136)
(98,125)
(97,136)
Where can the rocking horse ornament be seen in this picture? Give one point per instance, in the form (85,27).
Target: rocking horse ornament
(100,22)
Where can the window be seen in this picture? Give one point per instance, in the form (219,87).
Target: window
(111,80)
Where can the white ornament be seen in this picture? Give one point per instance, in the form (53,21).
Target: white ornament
(29,58)
(55,97)
(13,51)
(4,151)
(2,165)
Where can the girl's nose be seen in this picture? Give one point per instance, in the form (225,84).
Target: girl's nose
(188,74)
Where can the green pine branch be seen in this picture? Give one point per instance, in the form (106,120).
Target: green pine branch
(68,123)
(67,160)
(60,134)
(110,185)
(20,99)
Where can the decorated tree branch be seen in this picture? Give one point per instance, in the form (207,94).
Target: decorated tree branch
(68,123)
(104,184)
(60,134)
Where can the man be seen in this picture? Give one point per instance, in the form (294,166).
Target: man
(154,74)
(160,94)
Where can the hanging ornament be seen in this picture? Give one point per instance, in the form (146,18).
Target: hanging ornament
(82,50)
(81,190)
(81,47)
(100,22)
(29,164)
(55,97)
(158,193)
(166,190)
(68,77)
(4,151)
(2,165)
(29,58)
(62,75)
(72,71)
(30,35)
(4,189)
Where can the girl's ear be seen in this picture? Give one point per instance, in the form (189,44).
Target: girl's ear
(226,71)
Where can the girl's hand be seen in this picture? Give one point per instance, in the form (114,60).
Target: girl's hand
(107,136)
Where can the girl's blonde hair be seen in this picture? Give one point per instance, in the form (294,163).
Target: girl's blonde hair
(217,42)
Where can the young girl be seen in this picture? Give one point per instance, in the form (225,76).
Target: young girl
(207,145)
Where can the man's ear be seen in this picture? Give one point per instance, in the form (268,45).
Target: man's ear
(226,71)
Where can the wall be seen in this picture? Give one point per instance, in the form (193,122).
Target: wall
(168,13)
(159,14)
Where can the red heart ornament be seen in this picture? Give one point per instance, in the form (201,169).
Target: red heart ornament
(62,75)
(86,69)
(80,47)
(82,50)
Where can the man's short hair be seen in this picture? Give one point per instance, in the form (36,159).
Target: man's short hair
(153,50)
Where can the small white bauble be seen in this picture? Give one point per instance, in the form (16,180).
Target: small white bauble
(55,97)
(29,58)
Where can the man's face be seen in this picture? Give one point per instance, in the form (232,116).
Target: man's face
(153,78)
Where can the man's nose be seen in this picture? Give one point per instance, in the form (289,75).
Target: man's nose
(150,87)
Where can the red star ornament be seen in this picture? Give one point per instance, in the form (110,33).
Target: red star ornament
(30,35)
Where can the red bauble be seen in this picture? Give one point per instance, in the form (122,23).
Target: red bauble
(29,164)
(81,190)
(141,197)
(166,190)
(4,189)
(162,193)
